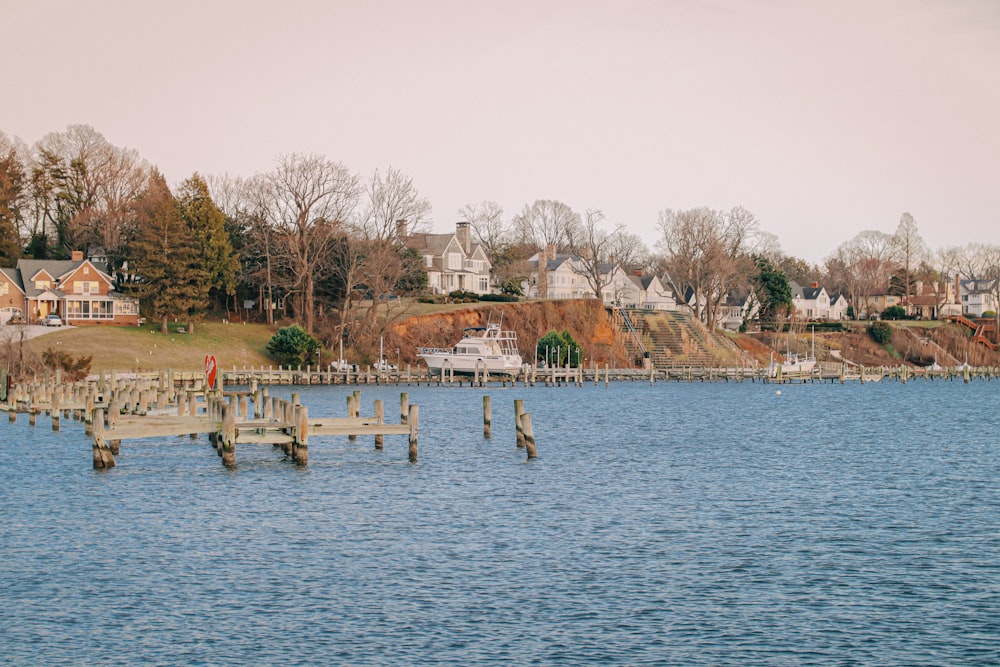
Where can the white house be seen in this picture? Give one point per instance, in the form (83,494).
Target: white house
(564,276)
(452,261)
(812,302)
(656,294)
(976,297)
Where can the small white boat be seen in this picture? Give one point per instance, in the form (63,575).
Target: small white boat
(794,364)
(489,348)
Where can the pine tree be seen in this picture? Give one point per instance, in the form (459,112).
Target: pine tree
(207,223)
(170,277)
(11,192)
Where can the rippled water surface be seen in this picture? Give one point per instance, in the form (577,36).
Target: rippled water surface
(694,524)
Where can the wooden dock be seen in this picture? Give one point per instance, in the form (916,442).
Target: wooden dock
(132,408)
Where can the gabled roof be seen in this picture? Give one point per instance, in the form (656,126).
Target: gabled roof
(14,277)
(54,268)
(976,286)
(428,244)
(811,293)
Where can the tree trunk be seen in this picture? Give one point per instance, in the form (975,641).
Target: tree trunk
(163,325)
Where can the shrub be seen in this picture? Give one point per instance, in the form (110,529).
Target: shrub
(989,313)
(558,348)
(881,332)
(894,313)
(506,298)
(74,369)
(292,346)
(463,296)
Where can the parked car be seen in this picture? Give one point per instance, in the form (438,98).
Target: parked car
(52,320)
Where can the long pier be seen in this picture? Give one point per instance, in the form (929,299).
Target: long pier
(532,376)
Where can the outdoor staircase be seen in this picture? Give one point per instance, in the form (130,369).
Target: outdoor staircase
(669,338)
(983,331)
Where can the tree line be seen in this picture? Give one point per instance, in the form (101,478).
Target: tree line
(314,241)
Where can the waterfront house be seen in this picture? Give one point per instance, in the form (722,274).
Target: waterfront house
(77,290)
(977,297)
(452,261)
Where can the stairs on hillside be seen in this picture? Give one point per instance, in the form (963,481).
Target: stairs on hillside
(670,338)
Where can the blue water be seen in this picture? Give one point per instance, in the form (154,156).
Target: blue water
(681,524)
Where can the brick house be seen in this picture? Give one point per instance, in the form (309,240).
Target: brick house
(78,290)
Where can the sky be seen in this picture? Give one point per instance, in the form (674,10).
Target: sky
(822,118)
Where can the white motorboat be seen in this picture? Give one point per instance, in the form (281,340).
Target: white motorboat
(794,364)
(488,348)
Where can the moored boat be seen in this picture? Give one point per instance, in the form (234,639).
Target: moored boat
(489,348)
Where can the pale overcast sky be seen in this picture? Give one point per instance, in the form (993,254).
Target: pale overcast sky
(823,118)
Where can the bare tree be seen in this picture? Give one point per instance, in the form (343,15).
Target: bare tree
(707,254)
(547,223)
(910,251)
(392,198)
(593,247)
(629,250)
(488,227)
(866,264)
(308,200)
(84,188)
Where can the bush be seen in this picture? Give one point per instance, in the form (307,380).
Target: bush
(989,313)
(881,332)
(505,298)
(894,313)
(558,348)
(463,296)
(74,369)
(292,346)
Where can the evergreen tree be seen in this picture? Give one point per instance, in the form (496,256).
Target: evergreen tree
(11,193)
(773,291)
(558,348)
(169,275)
(207,223)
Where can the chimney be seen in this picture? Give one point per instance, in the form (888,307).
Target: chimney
(463,231)
(76,255)
(400,229)
(814,285)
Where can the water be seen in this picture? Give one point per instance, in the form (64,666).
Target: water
(695,524)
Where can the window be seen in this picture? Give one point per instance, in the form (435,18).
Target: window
(429,260)
(4,288)
(484,285)
(86,287)
(454,261)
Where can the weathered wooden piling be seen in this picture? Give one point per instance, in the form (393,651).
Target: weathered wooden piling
(380,418)
(529,435)
(228,444)
(103,458)
(487,417)
(519,430)
(413,423)
(300,444)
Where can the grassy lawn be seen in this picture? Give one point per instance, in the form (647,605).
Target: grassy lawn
(145,348)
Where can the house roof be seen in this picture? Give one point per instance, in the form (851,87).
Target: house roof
(56,268)
(14,277)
